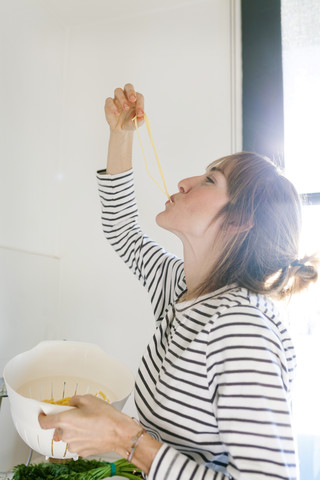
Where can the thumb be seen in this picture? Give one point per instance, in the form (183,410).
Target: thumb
(76,401)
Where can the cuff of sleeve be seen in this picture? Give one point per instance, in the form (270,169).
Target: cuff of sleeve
(168,463)
(102,175)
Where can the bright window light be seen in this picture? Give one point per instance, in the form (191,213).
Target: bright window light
(301,73)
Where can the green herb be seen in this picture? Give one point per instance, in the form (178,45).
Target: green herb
(77,470)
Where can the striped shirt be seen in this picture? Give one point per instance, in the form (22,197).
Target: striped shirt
(214,383)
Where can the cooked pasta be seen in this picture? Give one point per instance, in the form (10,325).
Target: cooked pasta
(66,400)
(164,189)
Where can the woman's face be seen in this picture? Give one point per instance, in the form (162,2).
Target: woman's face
(192,211)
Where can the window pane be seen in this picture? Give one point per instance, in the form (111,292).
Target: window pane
(301,73)
(301,79)
(304,318)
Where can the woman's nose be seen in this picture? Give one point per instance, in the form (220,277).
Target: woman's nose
(186,184)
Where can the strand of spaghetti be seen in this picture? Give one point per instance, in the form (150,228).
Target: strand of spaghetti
(165,190)
(156,155)
(145,158)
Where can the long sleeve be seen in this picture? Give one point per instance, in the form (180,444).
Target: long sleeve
(215,380)
(160,273)
(249,366)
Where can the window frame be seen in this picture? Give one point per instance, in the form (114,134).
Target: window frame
(262,83)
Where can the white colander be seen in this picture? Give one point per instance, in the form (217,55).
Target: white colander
(59,369)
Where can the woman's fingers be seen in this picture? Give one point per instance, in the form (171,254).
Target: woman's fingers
(125,98)
(48,421)
(130,92)
(140,105)
(122,100)
(111,109)
(123,107)
(90,428)
(57,435)
(81,400)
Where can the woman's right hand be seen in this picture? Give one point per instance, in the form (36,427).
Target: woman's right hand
(123,107)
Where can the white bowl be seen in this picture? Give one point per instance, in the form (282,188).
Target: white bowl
(57,369)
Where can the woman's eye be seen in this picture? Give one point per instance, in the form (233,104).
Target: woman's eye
(209,179)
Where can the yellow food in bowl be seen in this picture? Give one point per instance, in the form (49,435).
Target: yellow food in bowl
(66,400)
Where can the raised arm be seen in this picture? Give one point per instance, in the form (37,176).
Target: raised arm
(119,111)
(161,273)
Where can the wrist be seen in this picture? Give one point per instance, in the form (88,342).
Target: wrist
(135,440)
(137,446)
(119,151)
(121,135)
(127,433)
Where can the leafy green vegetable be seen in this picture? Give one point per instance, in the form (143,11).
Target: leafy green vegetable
(77,470)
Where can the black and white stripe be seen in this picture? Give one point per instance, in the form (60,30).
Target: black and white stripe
(214,383)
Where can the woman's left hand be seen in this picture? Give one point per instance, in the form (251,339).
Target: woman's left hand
(93,427)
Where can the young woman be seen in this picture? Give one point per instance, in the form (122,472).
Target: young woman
(213,388)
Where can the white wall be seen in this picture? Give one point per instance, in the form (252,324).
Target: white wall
(180,59)
(32,62)
(32,48)
(59,278)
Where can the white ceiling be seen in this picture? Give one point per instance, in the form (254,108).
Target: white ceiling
(77,12)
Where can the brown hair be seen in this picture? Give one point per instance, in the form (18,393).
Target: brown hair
(259,237)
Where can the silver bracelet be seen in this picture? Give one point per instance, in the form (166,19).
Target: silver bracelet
(135,442)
